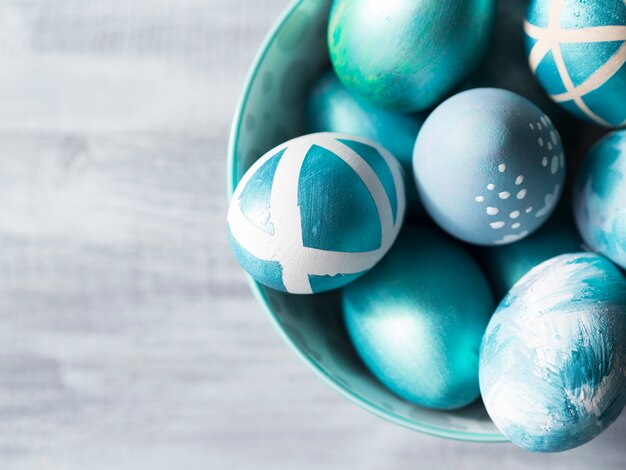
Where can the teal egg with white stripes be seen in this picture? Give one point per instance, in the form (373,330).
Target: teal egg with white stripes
(316,212)
(577,50)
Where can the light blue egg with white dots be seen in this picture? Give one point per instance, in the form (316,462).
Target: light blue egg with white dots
(316,212)
(489,166)
(600,197)
(332,108)
(577,50)
(553,357)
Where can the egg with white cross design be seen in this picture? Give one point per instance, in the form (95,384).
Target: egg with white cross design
(577,50)
(316,212)
(489,166)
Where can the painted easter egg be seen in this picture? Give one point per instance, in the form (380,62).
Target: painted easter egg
(418,317)
(577,50)
(553,358)
(316,212)
(505,265)
(331,108)
(407,55)
(600,197)
(489,166)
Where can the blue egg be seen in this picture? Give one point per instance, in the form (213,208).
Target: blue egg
(331,108)
(417,319)
(577,50)
(316,212)
(553,358)
(489,166)
(407,55)
(505,265)
(600,197)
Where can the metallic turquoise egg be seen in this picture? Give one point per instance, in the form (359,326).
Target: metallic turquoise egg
(407,55)
(332,108)
(505,265)
(418,317)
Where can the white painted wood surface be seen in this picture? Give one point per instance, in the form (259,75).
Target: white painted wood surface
(128,337)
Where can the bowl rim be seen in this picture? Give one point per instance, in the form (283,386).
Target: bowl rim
(257,290)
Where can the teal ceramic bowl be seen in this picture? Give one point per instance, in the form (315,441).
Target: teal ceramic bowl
(271,111)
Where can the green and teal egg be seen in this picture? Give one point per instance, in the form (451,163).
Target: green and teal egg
(417,319)
(316,212)
(407,55)
(577,50)
(600,197)
(332,108)
(553,358)
(489,166)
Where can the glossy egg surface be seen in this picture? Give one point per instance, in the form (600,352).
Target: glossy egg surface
(418,317)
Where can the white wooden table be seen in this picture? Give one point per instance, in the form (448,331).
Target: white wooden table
(128,337)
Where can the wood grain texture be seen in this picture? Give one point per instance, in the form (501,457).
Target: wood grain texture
(128,337)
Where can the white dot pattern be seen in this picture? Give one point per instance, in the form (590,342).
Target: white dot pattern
(555,164)
(548,141)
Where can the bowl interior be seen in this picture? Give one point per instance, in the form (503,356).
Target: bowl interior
(272,111)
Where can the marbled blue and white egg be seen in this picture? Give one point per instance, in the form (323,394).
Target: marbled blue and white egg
(600,197)
(553,358)
(489,166)
(407,55)
(418,317)
(332,108)
(577,50)
(316,212)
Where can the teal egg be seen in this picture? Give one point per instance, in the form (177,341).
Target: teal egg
(505,265)
(600,197)
(577,51)
(418,317)
(407,55)
(316,212)
(553,359)
(332,108)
